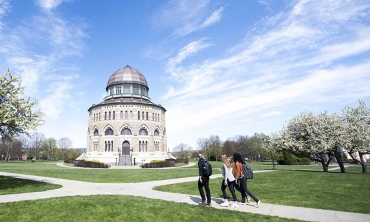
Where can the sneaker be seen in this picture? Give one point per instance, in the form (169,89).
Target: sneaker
(235,205)
(209,204)
(242,203)
(224,204)
(203,203)
(258,203)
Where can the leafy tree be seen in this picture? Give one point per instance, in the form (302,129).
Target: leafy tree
(357,125)
(182,151)
(16,114)
(73,154)
(215,147)
(50,143)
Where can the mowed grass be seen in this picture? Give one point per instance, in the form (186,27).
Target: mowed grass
(50,169)
(332,191)
(119,208)
(11,185)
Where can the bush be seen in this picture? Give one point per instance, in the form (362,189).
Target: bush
(291,159)
(89,164)
(69,160)
(160,163)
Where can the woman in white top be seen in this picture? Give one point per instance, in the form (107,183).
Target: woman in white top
(228,181)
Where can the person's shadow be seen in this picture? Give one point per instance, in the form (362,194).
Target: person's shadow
(197,200)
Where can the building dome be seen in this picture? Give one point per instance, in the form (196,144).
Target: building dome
(127,74)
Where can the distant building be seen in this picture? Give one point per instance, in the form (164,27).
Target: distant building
(127,126)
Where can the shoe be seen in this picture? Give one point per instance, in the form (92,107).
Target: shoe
(209,204)
(242,203)
(258,203)
(248,199)
(224,204)
(202,203)
(235,205)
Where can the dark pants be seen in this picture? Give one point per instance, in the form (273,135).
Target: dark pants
(231,188)
(205,184)
(244,190)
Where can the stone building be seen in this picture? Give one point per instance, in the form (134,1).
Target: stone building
(126,128)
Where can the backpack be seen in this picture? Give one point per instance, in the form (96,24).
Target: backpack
(247,171)
(207,169)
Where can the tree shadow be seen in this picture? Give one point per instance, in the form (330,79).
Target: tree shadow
(7,183)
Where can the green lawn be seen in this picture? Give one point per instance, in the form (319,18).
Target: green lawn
(10,185)
(119,208)
(331,191)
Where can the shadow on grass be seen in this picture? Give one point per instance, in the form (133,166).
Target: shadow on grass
(11,185)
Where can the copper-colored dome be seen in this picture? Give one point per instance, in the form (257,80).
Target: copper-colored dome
(127,74)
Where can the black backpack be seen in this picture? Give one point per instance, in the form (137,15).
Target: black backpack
(247,171)
(207,169)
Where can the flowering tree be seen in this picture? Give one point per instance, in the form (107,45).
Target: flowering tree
(16,114)
(357,124)
(317,135)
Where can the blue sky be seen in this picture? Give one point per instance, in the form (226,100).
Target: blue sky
(221,68)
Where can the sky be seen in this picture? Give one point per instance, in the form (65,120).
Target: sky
(221,68)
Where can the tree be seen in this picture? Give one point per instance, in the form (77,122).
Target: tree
(228,147)
(203,145)
(64,144)
(73,154)
(215,147)
(37,142)
(317,135)
(16,114)
(182,151)
(357,136)
(50,144)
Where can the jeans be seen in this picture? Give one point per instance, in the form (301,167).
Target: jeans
(231,188)
(205,184)
(244,190)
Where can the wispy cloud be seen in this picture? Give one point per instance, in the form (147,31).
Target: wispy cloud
(186,16)
(293,57)
(35,50)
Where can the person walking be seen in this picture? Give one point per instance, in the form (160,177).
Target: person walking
(203,181)
(228,181)
(242,180)
(236,185)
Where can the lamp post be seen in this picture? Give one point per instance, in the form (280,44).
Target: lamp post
(272,156)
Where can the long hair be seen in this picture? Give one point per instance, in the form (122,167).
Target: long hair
(238,158)
(225,160)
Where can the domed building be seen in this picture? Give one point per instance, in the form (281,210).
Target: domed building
(127,128)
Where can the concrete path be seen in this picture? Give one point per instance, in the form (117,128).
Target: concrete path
(144,189)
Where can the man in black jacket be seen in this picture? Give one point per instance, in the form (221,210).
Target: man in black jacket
(203,182)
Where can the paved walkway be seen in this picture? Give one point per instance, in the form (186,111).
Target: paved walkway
(144,189)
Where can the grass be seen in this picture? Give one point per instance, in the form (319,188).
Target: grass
(331,191)
(119,208)
(10,185)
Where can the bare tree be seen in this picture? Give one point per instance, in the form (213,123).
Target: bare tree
(203,145)
(37,141)
(64,144)
(182,151)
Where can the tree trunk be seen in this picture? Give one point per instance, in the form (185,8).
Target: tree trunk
(363,164)
(340,161)
(8,151)
(323,163)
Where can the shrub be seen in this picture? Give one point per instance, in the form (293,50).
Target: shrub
(69,160)
(290,159)
(160,163)
(89,164)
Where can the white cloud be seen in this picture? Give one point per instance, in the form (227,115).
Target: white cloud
(215,17)
(274,113)
(48,5)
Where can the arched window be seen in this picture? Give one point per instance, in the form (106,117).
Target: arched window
(142,116)
(109,115)
(138,114)
(139,146)
(99,116)
(105,116)
(126,114)
(143,132)
(147,116)
(153,116)
(114,114)
(109,132)
(106,146)
(131,115)
(94,117)
(96,132)
(126,131)
(158,118)
(121,115)
(156,133)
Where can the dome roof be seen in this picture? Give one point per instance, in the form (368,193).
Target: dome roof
(127,74)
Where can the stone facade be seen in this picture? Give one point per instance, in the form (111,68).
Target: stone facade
(126,128)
